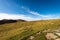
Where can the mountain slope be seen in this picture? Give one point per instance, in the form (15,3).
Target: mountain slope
(23,30)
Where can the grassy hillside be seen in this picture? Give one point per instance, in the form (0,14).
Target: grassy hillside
(23,30)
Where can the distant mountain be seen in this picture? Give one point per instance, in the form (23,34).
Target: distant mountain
(10,21)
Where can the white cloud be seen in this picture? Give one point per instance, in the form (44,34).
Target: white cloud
(14,16)
(21,16)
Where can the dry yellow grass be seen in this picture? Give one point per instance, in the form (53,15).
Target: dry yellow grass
(21,30)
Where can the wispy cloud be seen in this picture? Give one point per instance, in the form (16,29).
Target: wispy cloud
(40,15)
(44,17)
(35,13)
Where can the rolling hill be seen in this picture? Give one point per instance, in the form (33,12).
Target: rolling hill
(10,21)
(27,30)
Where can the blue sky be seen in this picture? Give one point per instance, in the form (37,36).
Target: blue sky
(29,9)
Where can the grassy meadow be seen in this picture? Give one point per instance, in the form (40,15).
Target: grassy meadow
(23,30)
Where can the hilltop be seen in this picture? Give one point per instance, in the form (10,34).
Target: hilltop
(10,21)
(28,30)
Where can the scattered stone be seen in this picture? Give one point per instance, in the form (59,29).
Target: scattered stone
(56,31)
(51,36)
(48,30)
(58,34)
(57,39)
(31,37)
(45,31)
